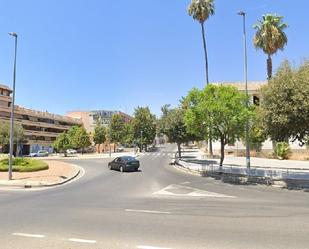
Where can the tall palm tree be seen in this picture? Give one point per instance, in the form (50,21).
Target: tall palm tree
(201,10)
(270,37)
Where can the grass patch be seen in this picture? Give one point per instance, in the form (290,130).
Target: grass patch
(23,165)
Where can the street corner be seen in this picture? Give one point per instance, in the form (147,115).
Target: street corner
(57,174)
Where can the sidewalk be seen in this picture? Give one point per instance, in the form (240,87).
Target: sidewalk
(287,173)
(58,173)
(196,156)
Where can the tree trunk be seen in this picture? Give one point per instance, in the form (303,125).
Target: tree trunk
(114,147)
(99,148)
(65,153)
(269,67)
(211,154)
(222,151)
(205,52)
(179,150)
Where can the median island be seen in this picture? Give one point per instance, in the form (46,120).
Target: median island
(29,172)
(23,165)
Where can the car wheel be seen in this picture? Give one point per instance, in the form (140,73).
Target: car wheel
(110,167)
(121,169)
(136,169)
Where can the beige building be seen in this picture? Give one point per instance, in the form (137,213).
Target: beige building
(89,120)
(40,128)
(254,88)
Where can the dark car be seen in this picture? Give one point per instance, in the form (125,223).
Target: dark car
(124,163)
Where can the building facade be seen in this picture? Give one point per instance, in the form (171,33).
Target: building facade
(89,120)
(40,128)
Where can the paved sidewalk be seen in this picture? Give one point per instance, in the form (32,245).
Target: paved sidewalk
(196,156)
(58,173)
(196,162)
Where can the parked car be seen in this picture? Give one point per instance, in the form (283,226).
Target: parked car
(120,149)
(40,153)
(71,151)
(124,163)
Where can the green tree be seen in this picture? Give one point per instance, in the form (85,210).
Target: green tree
(72,135)
(128,137)
(62,143)
(82,139)
(285,104)
(174,127)
(224,107)
(117,129)
(201,10)
(19,136)
(144,127)
(99,136)
(270,37)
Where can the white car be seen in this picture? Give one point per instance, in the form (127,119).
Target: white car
(71,151)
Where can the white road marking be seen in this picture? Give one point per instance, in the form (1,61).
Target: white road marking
(146,211)
(152,247)
(29,235)
(185,183)
(185,191)
(82,240)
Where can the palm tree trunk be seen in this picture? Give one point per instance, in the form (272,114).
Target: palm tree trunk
(269,67)
(207,82)
(205,52)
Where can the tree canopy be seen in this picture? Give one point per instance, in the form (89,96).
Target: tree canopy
(285,105)
(270,37)
(144,126)
(173,126)
(223,108)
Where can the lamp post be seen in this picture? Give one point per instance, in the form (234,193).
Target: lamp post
(243,14)
(12,110)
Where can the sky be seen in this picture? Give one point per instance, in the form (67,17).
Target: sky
(117,55)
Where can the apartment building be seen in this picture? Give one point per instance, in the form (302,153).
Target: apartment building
(89,120)
(40,128)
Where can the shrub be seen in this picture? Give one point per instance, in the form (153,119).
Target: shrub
(23,165)
(283,150)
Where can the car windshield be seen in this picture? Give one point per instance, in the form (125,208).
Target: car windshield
(128,158)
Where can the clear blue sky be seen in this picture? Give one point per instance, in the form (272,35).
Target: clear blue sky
(103,54)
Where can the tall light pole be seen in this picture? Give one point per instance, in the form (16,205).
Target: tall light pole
(12,110)
(243,14)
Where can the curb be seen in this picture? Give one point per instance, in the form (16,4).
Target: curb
(242,179)
(27,186)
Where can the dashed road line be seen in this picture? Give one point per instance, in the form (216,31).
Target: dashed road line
(147,211)
(82,240)
(39,236)
(151,247)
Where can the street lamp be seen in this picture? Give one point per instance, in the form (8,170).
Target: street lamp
(12,110)
(243,14)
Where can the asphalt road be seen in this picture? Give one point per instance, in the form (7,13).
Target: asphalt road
(158,207)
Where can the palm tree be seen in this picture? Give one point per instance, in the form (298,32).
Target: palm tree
(201,10)
(270,37)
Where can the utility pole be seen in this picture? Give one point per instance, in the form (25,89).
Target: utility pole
(12,110)
(243,14)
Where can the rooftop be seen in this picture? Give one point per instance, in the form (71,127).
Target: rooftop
(5,88)
(252,85)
